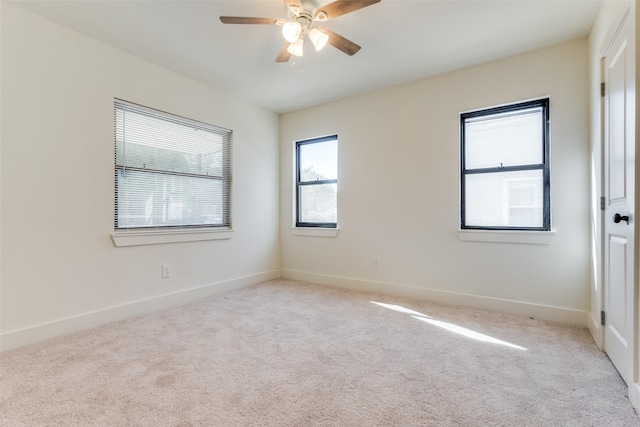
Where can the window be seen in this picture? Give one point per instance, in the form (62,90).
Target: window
(505,167)
(170,172)
(317,182)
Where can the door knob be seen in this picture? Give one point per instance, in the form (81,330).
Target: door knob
(617,218)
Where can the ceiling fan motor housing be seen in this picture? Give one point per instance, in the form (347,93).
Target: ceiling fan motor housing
(309,11)
(305,20)
(309,6)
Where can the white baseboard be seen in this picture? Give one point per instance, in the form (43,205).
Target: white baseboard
(41,332)
(518,308)
(36,333)
(634,396)
(596,330)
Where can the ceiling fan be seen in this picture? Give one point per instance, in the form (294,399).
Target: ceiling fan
(303,15)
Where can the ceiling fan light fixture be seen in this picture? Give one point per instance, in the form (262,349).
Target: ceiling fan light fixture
(296,48)
(319,38)
(291,31)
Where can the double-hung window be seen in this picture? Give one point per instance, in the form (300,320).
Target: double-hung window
(317,182)
(505,167)
(170,172)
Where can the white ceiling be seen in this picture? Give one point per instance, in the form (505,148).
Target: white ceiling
(402,40)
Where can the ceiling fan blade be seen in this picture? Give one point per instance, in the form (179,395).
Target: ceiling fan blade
(342,7)
(339,42)
(294,5)
(247,20)
(284,54)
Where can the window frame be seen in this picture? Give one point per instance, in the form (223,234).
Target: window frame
(224,178)
(300,184)
(544,166)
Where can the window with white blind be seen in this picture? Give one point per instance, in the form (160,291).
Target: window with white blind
(505,167)
(170,172)
(317,182)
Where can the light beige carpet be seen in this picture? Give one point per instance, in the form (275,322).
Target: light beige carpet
(286,353)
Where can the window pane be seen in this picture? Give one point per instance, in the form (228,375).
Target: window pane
(319,161)
(318,203)
(506,139)
(146,199)
(507,199)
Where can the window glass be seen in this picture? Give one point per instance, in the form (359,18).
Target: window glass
(318,203)
(319,161)
(512,199)
(504,140)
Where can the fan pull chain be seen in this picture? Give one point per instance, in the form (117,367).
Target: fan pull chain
(294,63)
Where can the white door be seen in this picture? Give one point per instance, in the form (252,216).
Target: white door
(619,218)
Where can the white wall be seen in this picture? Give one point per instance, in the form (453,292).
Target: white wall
(399,191)
(60,269)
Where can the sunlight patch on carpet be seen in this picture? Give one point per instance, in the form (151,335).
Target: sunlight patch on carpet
(467,332)
(447,326)
(399,309)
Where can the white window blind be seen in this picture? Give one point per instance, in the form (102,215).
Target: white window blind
(170,172)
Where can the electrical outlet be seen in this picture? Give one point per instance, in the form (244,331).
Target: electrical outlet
(376,262)
(166,271)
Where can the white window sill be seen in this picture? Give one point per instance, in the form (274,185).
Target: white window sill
(138,238)
(314,231)
(508,236)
